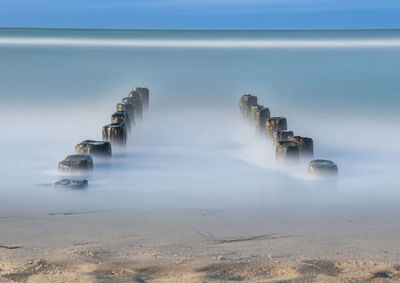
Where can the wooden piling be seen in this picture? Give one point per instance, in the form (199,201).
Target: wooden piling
(275,124)
(306,145)
(287,150)
(321,167)
(94,148)
(261,117)
(282,135)
(122,117)
(245,103)
(127,107)
(253,112)
(115,133)
(137,106)
(76,162)
(144,94)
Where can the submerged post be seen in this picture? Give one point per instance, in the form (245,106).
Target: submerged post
(275,124)
(137,106)
(144,95)
(306,145)
(94,148)
(321,167)
(76,162)
(245,103)
(115,133)
(72,183)
(282,135)
(287,150)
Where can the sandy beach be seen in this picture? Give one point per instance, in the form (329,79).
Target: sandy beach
(214,245)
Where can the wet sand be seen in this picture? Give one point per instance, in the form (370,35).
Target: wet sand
(324,244)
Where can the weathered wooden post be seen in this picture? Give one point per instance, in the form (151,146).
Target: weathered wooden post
(275,124)
(115,133)
(253,111)
(72,183)
(261,117)
(137,106)
(287,150)
(306,145)
(94,148)
(245,103)
(136,95)
(127,107)
(121,117)
(282,135)
(144,94)
(321,167)
(76,162)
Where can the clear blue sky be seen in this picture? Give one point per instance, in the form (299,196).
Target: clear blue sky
(201,14)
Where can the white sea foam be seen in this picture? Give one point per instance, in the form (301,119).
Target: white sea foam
(203,43)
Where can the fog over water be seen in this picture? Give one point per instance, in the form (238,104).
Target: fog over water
(193,150)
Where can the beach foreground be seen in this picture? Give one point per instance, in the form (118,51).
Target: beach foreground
(247,245)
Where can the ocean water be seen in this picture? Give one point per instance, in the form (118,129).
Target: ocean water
(193,150)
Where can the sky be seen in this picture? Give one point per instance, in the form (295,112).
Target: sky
(201,14)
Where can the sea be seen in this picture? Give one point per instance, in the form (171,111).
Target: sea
(193,150)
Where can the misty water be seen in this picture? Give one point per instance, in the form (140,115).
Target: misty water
(192,149)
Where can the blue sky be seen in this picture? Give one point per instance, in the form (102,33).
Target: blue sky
(201,14)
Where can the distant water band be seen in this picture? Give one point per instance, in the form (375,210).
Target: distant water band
(203,43)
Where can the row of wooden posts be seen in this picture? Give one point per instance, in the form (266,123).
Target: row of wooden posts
(288,147)
(128,111)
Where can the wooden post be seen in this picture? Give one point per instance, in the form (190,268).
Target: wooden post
(282,135)
(127,107)
(137,106)
(94,148)
(121,117)
(306,145)
(321,167)
(144,94)
(76,162)
(115,133)
(287,150)
(245,103)
(253,112)
(261,117)
(275,124)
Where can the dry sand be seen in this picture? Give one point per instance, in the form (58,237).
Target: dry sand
(212,245)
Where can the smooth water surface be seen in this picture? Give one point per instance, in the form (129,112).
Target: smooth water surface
(193,150)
